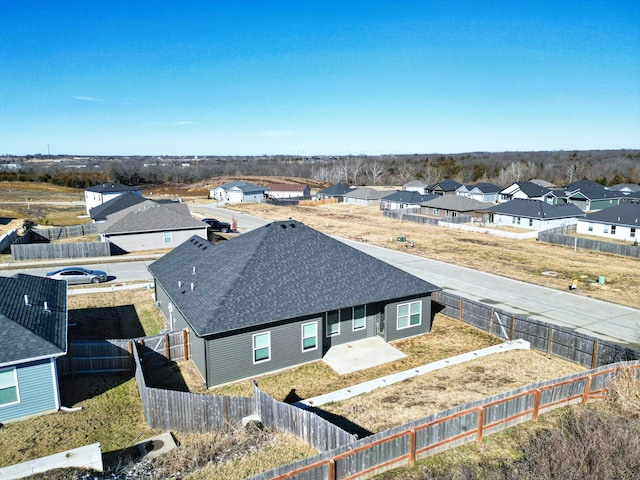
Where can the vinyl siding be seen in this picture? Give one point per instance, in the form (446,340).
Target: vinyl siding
(230,358)
(346,328)
(391,314)
(133,242)
(38,393)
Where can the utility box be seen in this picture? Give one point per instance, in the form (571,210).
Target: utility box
(601,279)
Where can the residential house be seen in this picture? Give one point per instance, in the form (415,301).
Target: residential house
(334,191)
(542,183)
(404,199)
(282,295)
(522,191)
(533,214)
(448,206)
(152,226)
(33,321)
(416,186)
(482,192)
(288,190)
(444,187)
(99,194)
(120,202)
(625,188)
(591,196)
(620,222)
(238,192)
(365,196)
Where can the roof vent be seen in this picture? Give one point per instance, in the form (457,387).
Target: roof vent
(46,308)
(26,301)
(193,270)
(292,225)
(192,286)
(179,284)
(283,226)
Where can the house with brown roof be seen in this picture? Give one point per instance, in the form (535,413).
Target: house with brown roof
(288,190)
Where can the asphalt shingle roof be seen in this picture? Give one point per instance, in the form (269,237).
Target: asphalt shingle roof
(336,190)
(446,185)
(457,203)
(529,208)
(116,204)
(29,331)
(154,218)
(626,214)
(243,186)
(276,272)
(404,196)
(111,187)
(365,193)
(532,190)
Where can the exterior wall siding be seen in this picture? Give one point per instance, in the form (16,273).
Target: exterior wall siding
(598,229)
(230,358)
(391,316)
(154,240)
(38,391)
(347,334)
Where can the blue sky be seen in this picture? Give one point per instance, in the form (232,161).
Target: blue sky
(238,77)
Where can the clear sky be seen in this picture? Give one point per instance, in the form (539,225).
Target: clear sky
(237,77)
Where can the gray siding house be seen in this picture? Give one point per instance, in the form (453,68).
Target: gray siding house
(99,194)
(280,296)
(33,321)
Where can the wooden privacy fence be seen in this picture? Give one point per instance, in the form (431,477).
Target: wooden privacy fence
(40,251)
(192,412)
(443,430)
(558,237)
(317,203)
(57,233)
(7,239)
(561,341)
(303,424)
(116,356)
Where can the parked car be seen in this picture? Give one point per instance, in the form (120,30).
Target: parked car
(77,275)
(216,225)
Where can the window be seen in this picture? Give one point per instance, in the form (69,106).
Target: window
(167,237)
(613,229)
(633,233)
(606,229)
(531,222)
(591,227)
(8,387)
(436,211)
(333,323)
(409,314)
(513,220)
(359,318)
(261,347)
(518,221)
(309,336)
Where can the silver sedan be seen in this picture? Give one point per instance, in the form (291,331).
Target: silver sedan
(77,275)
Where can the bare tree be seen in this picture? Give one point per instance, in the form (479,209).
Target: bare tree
(374,172)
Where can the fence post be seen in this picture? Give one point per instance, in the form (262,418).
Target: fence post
(550,335)
(70,355)
(412,447)
(331,467)
(587,389)
(513,325)
(491,320)
(461,300)
(185,344)
(594,355)
(167,349)
(536,404)
(480,424)
(131,359)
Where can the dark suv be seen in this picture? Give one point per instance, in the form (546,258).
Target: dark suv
(216,225)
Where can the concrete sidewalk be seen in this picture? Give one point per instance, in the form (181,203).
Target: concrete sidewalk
(381,382)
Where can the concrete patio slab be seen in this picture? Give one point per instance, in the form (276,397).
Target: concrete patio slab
(353,356)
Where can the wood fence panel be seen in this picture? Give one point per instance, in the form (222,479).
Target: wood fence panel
(7,239)
(39,251)
(58,233)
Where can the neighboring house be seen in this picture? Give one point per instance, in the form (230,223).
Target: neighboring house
(454,205)
(334,191)
(153,226)
(522,191)
(625,188)
(99,194)
(621,222)
(482,192)
(288,190)
(282,295)
(126,200)
(416,186)
(444,187)
(404,199)
(533,214)
(365,196)
(591,196)
(33,321)
(555,197)
(542,183)
(238,192)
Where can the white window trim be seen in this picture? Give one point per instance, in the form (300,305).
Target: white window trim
(398,327)
(353,318)
(315,324)
(169,236)
(253,347)
(328,332)
(15,384)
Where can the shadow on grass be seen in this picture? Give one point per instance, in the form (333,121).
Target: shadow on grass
(74,390)
(104,323)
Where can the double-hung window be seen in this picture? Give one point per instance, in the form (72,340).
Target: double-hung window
(309,336)
(613,229)
(333,323)
(8,387)
(261,347)
(167,238)
(409,315)
(359,318)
